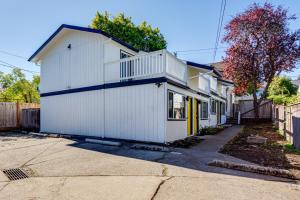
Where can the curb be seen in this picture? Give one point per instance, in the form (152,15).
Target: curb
(253,168)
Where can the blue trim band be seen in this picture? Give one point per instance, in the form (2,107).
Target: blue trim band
(78,28)
(122,84)
(107,86)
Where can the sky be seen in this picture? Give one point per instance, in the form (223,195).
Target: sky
(186,24)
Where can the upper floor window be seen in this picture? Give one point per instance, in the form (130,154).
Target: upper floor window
(176,106)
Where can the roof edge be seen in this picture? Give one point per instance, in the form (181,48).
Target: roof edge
(79,28)
(202,66)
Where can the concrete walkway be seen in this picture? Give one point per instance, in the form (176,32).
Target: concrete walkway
(200,155)
(66,169)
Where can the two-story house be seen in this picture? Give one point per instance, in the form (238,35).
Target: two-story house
(95,85)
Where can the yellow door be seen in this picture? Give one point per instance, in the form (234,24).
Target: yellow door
(189,116)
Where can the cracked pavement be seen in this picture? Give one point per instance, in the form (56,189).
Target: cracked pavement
(66,169)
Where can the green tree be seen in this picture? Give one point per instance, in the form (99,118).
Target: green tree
(142,37)
(282,90)
(17,88)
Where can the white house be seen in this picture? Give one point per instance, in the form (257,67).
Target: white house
(95,85)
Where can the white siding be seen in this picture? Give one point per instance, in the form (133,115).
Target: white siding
(133,113)
(77,113)
(213,120)
(80,66)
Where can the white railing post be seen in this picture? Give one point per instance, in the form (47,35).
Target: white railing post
(164,62)
(239,118)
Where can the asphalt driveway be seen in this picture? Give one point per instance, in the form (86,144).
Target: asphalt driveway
(66,169)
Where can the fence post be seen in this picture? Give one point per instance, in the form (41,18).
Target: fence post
(18,114)
(239,118)
(284,122)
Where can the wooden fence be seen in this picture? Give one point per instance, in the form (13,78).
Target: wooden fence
(287,120)
(30,119)
(11,114)
(245,107)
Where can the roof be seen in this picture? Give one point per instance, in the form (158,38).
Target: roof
(79,28)
(218,66)
(202,66)
(225,81)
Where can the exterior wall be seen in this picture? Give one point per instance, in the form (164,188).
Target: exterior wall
(176,130)
(223,119)
(80,66)
(135,113)
(213,120)
(132,113)
(77,113)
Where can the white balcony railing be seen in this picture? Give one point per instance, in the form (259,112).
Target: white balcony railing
(204,84)
(153,64)
(213,84)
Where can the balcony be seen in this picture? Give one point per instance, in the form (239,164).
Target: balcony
(147,65)
(204,84)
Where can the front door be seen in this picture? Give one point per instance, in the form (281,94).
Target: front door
(189,116)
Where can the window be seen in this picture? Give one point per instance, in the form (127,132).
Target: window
(126,67)
(204,110)
(222,108)
(176,106)
(213,103)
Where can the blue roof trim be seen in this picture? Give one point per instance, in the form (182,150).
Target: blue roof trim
(199,65)
(79,28)
(202,66)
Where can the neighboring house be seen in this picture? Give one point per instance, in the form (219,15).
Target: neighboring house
(297,83)
(236,98)
(93,84)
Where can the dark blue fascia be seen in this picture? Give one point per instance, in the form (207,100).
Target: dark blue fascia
(201,66)
(79,28)
(107,86)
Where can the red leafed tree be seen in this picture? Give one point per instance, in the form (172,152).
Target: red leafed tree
(261,46)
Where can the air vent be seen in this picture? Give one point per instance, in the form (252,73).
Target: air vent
(15,174)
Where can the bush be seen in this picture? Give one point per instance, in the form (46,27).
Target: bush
(211,130)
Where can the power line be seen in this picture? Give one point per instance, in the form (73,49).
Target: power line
(5,64)
(206,49)
(220,24)
(12,54)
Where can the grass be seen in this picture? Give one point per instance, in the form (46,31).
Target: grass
(289,148)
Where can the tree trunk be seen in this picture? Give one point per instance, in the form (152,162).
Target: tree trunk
(255,106)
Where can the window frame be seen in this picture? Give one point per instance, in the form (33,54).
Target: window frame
(213,104)
(184,112)
(201,110)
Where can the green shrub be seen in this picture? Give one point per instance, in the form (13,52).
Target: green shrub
(289,148)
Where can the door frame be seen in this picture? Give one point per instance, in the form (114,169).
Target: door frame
(190,116)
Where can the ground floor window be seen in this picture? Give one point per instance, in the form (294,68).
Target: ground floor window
(204,110)
(213,106)
(176,106)
(223,105)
